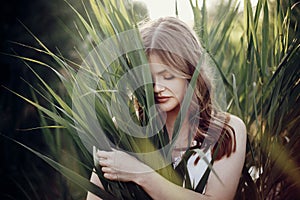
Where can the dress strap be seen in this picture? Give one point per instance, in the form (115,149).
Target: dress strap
(202,183)
(194,171)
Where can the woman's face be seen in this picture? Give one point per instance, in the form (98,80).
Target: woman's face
(169,87)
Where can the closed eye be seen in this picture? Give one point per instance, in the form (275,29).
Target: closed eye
(168,76)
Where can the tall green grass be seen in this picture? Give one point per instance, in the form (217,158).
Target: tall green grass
(95,82)
(256,52)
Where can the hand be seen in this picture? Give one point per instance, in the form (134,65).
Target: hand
(120,166)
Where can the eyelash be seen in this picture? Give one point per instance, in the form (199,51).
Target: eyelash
(169,77)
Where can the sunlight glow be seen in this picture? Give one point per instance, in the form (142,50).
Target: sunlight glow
(160,8)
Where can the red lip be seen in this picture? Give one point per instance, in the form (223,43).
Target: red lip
(162,99)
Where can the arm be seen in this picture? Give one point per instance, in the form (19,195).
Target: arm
(228,169)
(120,166)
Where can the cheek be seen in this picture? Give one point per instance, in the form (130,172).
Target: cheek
(179,89)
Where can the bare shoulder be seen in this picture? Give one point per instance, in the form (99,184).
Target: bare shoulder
(239,128)
(237,123)
(229,168)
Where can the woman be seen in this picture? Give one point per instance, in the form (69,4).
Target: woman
(173,53)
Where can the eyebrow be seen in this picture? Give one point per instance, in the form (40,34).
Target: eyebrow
(161,72)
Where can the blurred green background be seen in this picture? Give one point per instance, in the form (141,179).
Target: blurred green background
(257,51)
(24,175)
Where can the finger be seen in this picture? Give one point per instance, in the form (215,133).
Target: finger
(109,176)
(108,170)
(113,149)
(104,162)
(104,154)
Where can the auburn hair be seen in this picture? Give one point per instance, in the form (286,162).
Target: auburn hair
(177,46)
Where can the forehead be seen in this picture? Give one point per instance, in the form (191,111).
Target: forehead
(157,65)
(154,58)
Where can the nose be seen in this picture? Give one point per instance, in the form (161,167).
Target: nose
(158,88)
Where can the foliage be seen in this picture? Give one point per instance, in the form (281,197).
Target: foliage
(257,55)
(108,19)
(257,51)
(22,173)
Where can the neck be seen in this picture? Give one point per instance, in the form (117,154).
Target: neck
(170,122)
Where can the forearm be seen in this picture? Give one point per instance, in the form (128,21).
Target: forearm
(160,188)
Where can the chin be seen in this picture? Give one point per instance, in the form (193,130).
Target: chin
(169,108)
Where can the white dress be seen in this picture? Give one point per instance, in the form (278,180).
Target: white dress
(197,165)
